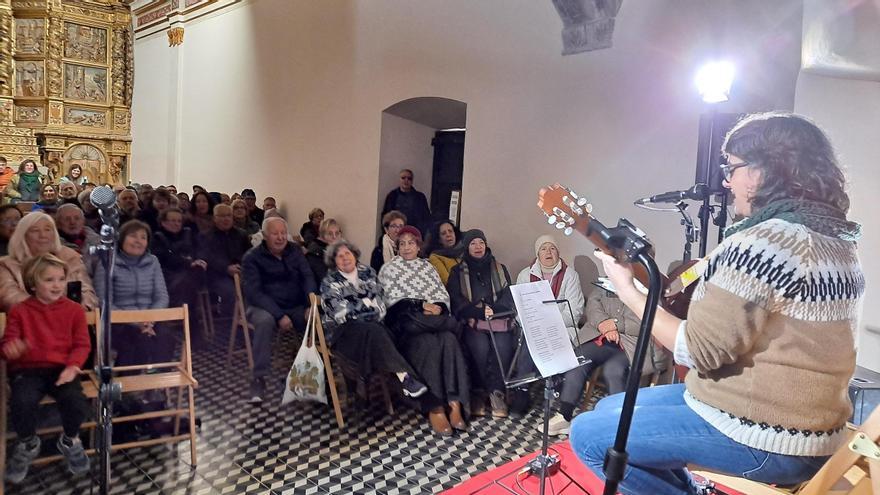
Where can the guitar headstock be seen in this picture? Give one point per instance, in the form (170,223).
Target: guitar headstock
(565,209)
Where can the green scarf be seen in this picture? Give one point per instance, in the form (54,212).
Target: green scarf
(29,182)
(818,217)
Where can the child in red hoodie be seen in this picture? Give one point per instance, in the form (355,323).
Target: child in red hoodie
(46,342)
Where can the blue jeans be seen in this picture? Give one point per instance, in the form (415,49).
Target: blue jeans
(666,436)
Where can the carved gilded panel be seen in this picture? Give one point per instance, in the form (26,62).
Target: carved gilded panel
(85,43)
(35,115)
(30,78)
(56,32)
(85,117)
(30,36)
(85,83)
(6,111)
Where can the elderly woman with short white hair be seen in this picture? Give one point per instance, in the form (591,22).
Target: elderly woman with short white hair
(36,234)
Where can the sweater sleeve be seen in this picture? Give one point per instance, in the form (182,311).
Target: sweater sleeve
(13,329)
(571,290)
(11,293)
(82,346)
(461,307)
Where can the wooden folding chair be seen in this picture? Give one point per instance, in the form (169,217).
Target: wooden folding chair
(239,321)
(206,314)
(173,374)
(854,469)
(345,368)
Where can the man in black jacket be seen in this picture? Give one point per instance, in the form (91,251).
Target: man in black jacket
(410,202)
(277,280)
(223,248)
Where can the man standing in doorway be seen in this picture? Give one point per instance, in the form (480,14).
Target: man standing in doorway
(410,202)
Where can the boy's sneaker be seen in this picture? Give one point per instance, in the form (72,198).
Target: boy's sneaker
(257,390)
(558,426)
(412,387)
(74,454)
(20,461)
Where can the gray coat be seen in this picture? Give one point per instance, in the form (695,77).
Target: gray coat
(137,282)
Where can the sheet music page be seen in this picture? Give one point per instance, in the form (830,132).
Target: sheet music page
(544,329)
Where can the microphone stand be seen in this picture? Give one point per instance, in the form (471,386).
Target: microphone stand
(691,231)
(109,391)
(629,244)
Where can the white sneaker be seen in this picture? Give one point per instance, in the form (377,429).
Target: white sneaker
(558,426)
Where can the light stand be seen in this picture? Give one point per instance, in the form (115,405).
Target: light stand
(109,391)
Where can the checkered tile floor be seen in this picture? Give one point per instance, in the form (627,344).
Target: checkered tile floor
(298,449)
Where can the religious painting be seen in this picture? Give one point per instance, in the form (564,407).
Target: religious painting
(85,43)
(84,117)
(88,157)
(30,78)
(85,83)
(30,36)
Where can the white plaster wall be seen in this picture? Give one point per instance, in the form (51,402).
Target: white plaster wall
(152,110)
(405,144)
(849,111)
(287,96)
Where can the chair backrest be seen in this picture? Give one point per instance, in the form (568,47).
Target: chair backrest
(239,294)
(158,315)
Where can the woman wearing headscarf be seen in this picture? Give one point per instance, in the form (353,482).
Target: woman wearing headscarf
(479,288)
(418,312)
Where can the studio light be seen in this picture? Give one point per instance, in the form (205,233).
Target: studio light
(714,80)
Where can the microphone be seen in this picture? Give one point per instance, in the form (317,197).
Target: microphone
(104,199)
(698,192)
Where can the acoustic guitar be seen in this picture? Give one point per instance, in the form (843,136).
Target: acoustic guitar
(569,212)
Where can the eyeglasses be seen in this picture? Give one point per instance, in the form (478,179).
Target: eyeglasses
(9,223)
(727,169)
(406,177)
(394,226)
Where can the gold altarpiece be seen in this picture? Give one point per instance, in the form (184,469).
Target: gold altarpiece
(66,80)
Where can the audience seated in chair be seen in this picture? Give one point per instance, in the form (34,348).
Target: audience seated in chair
(257,238)
(241,219)
(160,200)
(201,212)
(353,311)
(565,284)
(129,209)
(10,215)
(392,222)
(138,283)
(48,201)
(175,247)
(25,184)
(444,248)
(67,192)
(254,211)
(277,281)
(35,235)
(92,218)
(478,288)
(223,248)
(46,342)
(76,235)
(312,229)
(418,312)
(269,203)
(329,233)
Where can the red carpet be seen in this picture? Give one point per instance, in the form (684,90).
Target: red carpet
(573,478)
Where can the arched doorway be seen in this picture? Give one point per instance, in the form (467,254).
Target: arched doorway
(426,135)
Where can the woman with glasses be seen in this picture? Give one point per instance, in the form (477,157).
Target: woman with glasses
(392,222)
(9,217)
(769,333)
(241,219)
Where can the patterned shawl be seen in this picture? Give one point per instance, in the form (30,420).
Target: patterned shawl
(415,279)
(343,302)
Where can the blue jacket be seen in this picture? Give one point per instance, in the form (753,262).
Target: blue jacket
(277,285)
(137,282)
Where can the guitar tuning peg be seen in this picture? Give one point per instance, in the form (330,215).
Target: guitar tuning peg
(561,225)
(589,208)
(567,231)
(551,219)
(571,221)
(582,201)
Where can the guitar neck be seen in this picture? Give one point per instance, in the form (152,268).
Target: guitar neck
(593,229)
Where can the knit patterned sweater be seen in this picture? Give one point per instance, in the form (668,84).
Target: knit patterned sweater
(770,338)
